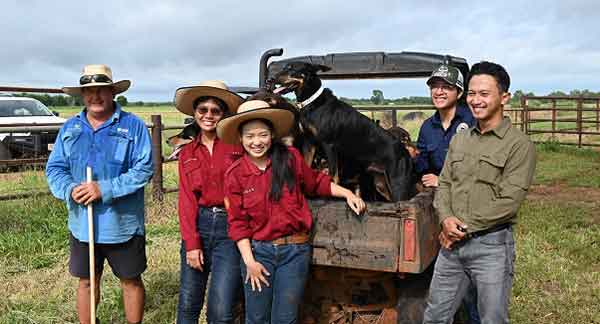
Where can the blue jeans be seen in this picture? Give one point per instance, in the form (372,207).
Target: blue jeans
(488,263)
(222,260)
(288,266)
(470,305)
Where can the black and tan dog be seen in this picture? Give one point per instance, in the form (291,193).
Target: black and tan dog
(351,142)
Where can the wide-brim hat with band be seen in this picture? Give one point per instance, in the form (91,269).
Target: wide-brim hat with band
(97,75)
(185,96)
(282,120)
(448,74)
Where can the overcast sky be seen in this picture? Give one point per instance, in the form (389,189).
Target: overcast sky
(162,45)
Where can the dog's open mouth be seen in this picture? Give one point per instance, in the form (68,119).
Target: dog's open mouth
(286,86)
(281,90)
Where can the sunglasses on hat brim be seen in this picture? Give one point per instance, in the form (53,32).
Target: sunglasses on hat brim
(96,78)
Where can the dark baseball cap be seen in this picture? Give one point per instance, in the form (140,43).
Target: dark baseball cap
(449,74)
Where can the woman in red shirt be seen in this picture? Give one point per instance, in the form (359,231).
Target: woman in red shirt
(268,214)
(206,247)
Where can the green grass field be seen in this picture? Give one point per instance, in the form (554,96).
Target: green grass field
(557,269)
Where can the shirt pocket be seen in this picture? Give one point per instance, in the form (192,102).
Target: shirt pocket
(457,165)
(193,171)
(69,138)
(121,145)
(490,170)
(253,202)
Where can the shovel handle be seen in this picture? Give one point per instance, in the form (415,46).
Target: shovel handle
(90,216)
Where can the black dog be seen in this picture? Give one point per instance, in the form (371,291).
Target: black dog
(187,135)
(351,141)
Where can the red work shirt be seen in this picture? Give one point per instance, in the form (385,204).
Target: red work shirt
(250,212)
(201,178)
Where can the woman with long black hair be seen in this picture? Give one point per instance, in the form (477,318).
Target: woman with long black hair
(268,214)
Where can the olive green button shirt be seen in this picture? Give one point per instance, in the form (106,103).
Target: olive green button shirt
(485,176)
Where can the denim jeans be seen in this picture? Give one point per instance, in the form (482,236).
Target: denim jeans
(222,261)
(488,263)
(470,305)
(288,266)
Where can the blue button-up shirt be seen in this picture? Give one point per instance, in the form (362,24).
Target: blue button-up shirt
(433,140)
(119,152)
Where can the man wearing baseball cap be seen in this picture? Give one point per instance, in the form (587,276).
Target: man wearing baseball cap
(483,183)
(446,85)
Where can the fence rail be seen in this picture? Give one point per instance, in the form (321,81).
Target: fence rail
(572,110)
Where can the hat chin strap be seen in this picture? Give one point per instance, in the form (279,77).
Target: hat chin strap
(311,98)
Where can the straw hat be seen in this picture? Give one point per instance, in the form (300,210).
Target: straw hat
(282,120)
(185,96)
(97,75)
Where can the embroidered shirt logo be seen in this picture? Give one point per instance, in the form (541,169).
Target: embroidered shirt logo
(122,130)
(462,127)
(247,191)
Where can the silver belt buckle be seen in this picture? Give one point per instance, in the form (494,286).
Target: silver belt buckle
(216,209)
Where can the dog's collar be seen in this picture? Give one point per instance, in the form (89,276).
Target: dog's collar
(310,99)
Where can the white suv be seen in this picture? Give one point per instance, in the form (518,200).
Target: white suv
(26,112)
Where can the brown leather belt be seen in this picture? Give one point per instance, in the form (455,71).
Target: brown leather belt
(298,238)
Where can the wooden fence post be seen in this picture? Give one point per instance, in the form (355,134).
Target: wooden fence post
(597,115)
(579,116)
(553,119)
(524,115)
(157,158)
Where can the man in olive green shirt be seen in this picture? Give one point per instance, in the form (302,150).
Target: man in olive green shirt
(485,179)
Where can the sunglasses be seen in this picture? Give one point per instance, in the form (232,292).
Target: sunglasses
(213,111)
(94,78)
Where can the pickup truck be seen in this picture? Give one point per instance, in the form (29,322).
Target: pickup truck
(39,123)
(376,268)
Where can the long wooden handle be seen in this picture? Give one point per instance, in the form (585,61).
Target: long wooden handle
(90,215)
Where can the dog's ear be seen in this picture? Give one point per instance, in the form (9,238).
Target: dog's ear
(319,68)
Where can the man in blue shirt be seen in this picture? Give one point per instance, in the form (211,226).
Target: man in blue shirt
(117,146)
(446,84)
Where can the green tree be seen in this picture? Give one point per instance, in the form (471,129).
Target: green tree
(60,101)
(377,97)
(122,100)
(557,93)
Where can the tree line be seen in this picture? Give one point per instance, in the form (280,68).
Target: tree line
(74,101)
(377,98)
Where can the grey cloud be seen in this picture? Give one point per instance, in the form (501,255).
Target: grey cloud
(161,45)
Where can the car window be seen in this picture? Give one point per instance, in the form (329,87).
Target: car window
(19,108)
